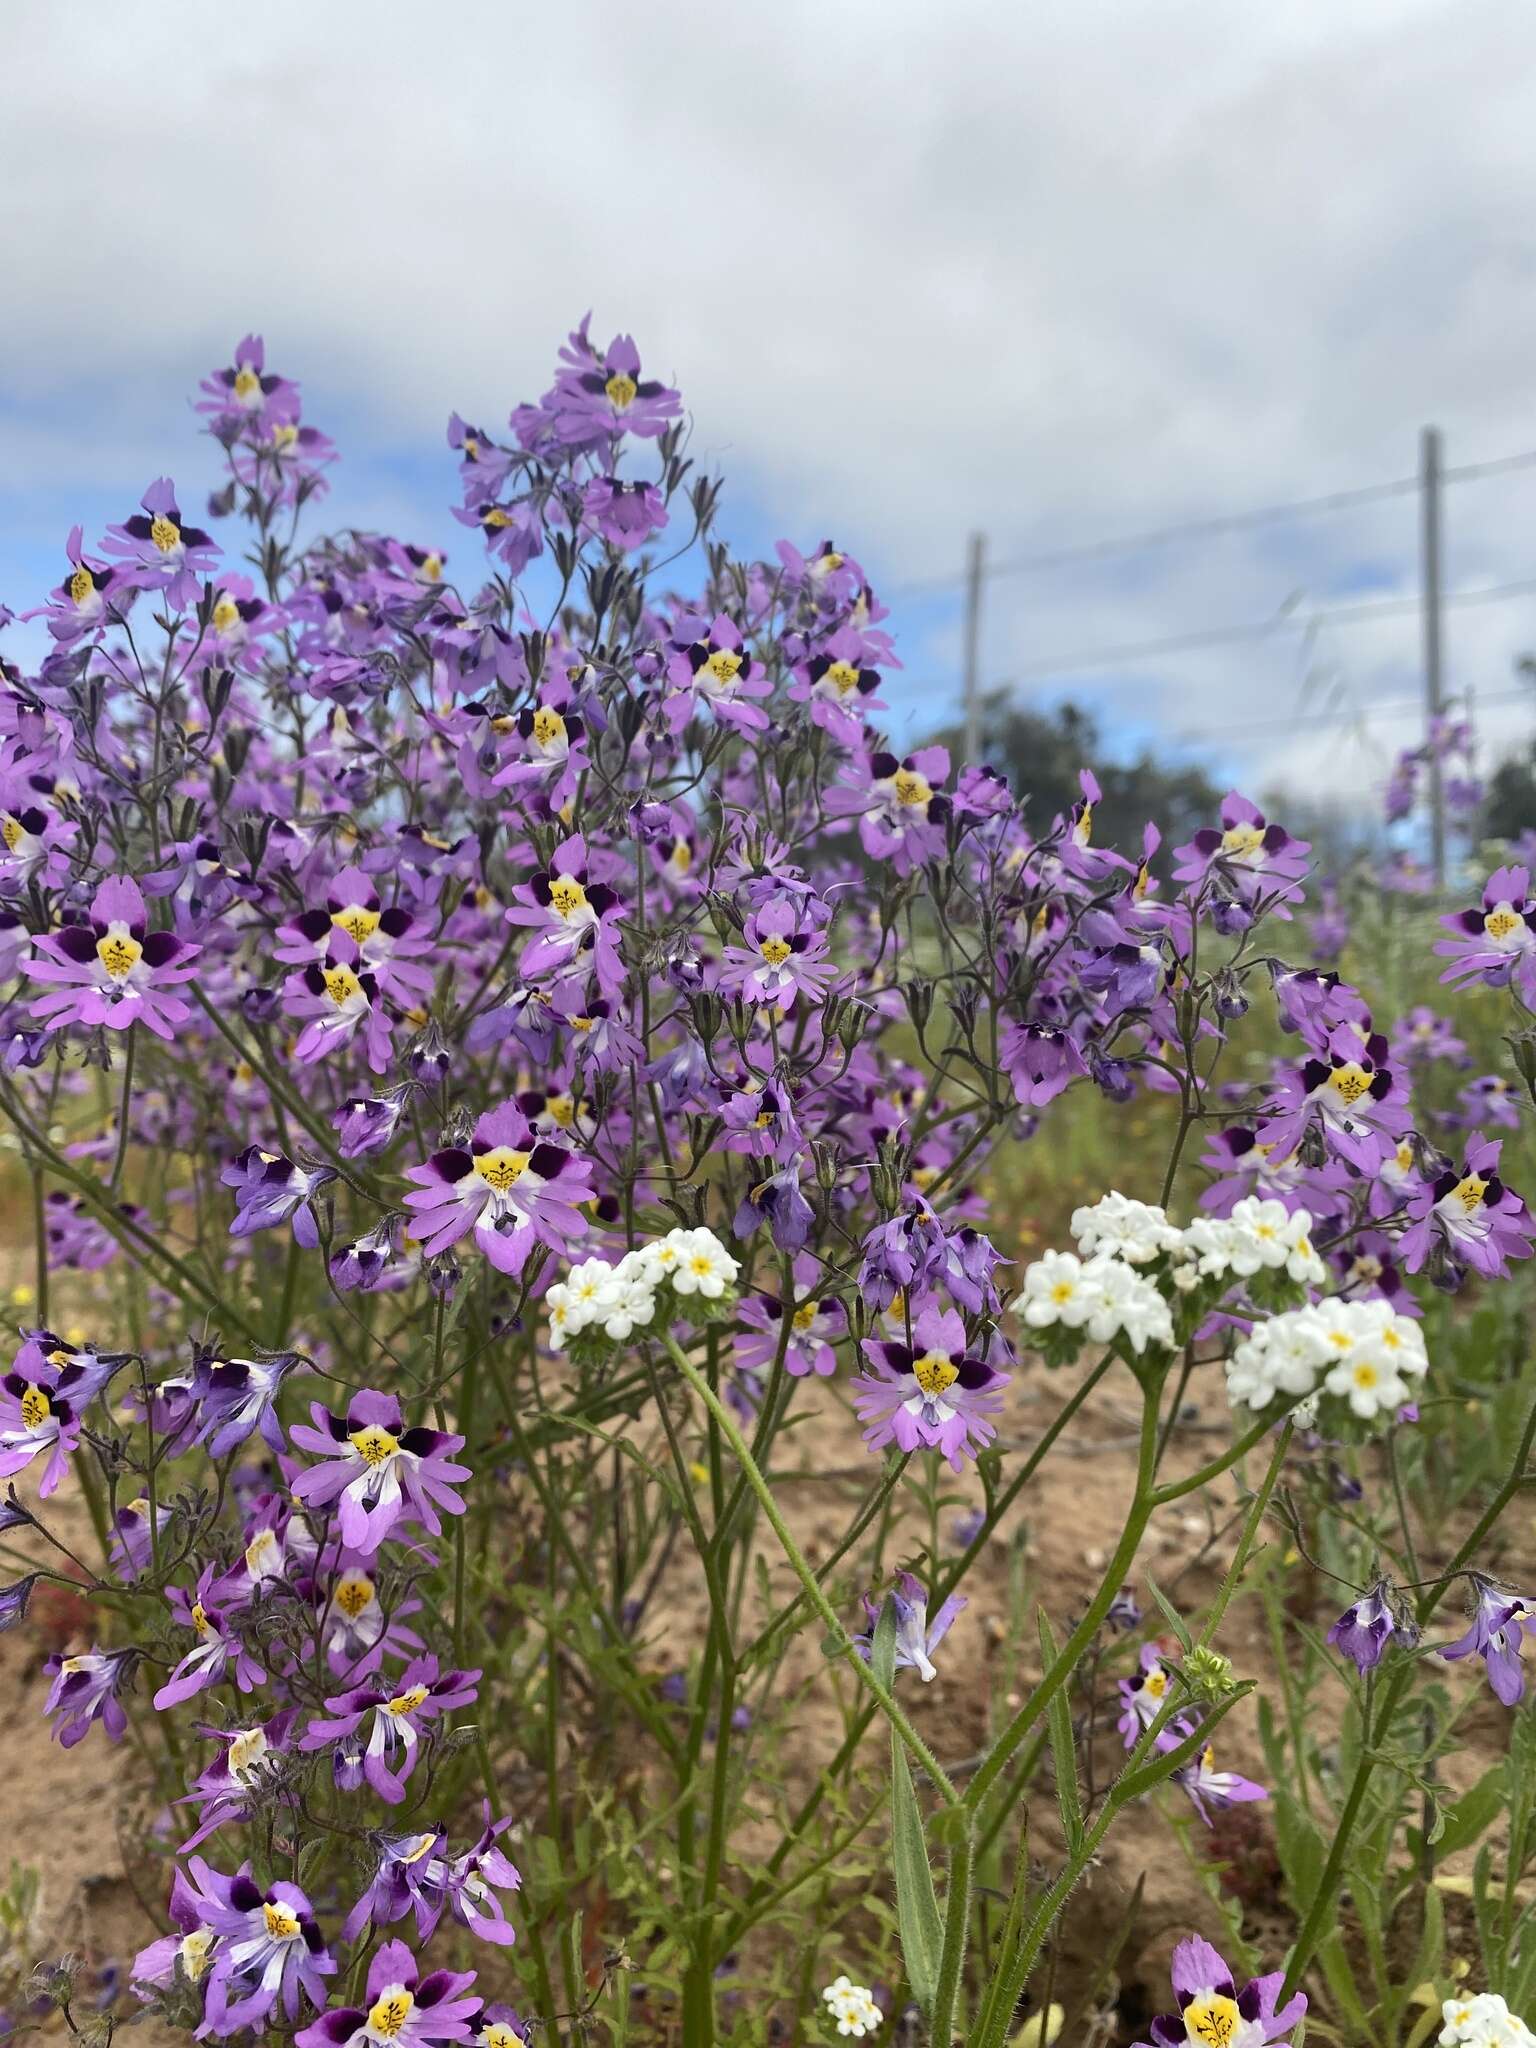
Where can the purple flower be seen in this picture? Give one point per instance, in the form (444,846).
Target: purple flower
(223,1788)
(1041,1061)
(1362,1632)
(627,514)
(366,1123)
(1213,2013)
(40,1406)
(512,1188)
(839,685)
(379,1472)
(605,395)
(1247,861)
(268,1949)
(1208,1787)
(85,1689)
(930,1393)
(777,1200)
(246,393)
(916,1637)
(1141,1699)
(907,1255)
(1425,1035)
(815,1326)
(161,553)
(112,970)
(1490,1099)
(709,663)
(784,955)
(79,605)
(1496,942)
(901,811)
(394,1720)
(415,1872)
(14,1598)
(270,1189)
(1497,1634)
(573,920)
(215,1646)
(237,1396)
(404,2009)
(1471,1213)
(337,998)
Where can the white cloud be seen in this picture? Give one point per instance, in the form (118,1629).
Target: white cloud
(1050,272)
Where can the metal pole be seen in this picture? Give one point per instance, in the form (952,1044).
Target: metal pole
(975,570)
(1434,697)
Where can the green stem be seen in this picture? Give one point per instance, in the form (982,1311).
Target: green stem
(124,1105)
(883,1699)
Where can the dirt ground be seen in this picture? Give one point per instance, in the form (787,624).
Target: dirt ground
(71,1814)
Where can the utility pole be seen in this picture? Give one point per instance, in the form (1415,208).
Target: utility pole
(975,571)
(1434,696)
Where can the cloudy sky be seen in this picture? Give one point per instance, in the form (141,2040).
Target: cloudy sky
(1058,273)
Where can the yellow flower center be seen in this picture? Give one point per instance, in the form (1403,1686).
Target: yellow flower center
(843,677)
(406,1702)
(1365,1375)
(1215,2021)
(226,615)
(724,665)
(548,726)
(373,1444)
(1156,1684)
(562,1108)
(260,1551)
(1350,1082)
(567,896)
(935,1372)
(82,585)
(911,788)
(1498,924)
(247,383)
(1063,1291)
(498,516)
(357,922)
(248,1746)
(200,1621)
(419,1849)
(353,1594)
(1469,1191)
(165,533)
(1240,842)
(284,436)
(390,2014)
(432,569)
(805,1315)
(282,1921)
(12,831)
(775,950)
(119,954)
(502,1167)
(682,857)
(341,985)
(620,391)
(35,1407)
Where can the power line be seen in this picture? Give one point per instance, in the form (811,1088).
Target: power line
(1226,522)
(1283,621)
(1194,733)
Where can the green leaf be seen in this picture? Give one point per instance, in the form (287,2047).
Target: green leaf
(1063,1746)
(1171,1614)
(1460,1825)
(917,1905)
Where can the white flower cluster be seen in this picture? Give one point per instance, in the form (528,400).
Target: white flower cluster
(1134,1231)
(1257,1237)
(1363,1352)
(1099,1296)
(852,2007)
(618,1300)
(1483,2021)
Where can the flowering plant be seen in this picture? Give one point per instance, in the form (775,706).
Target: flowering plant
(508,1054)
